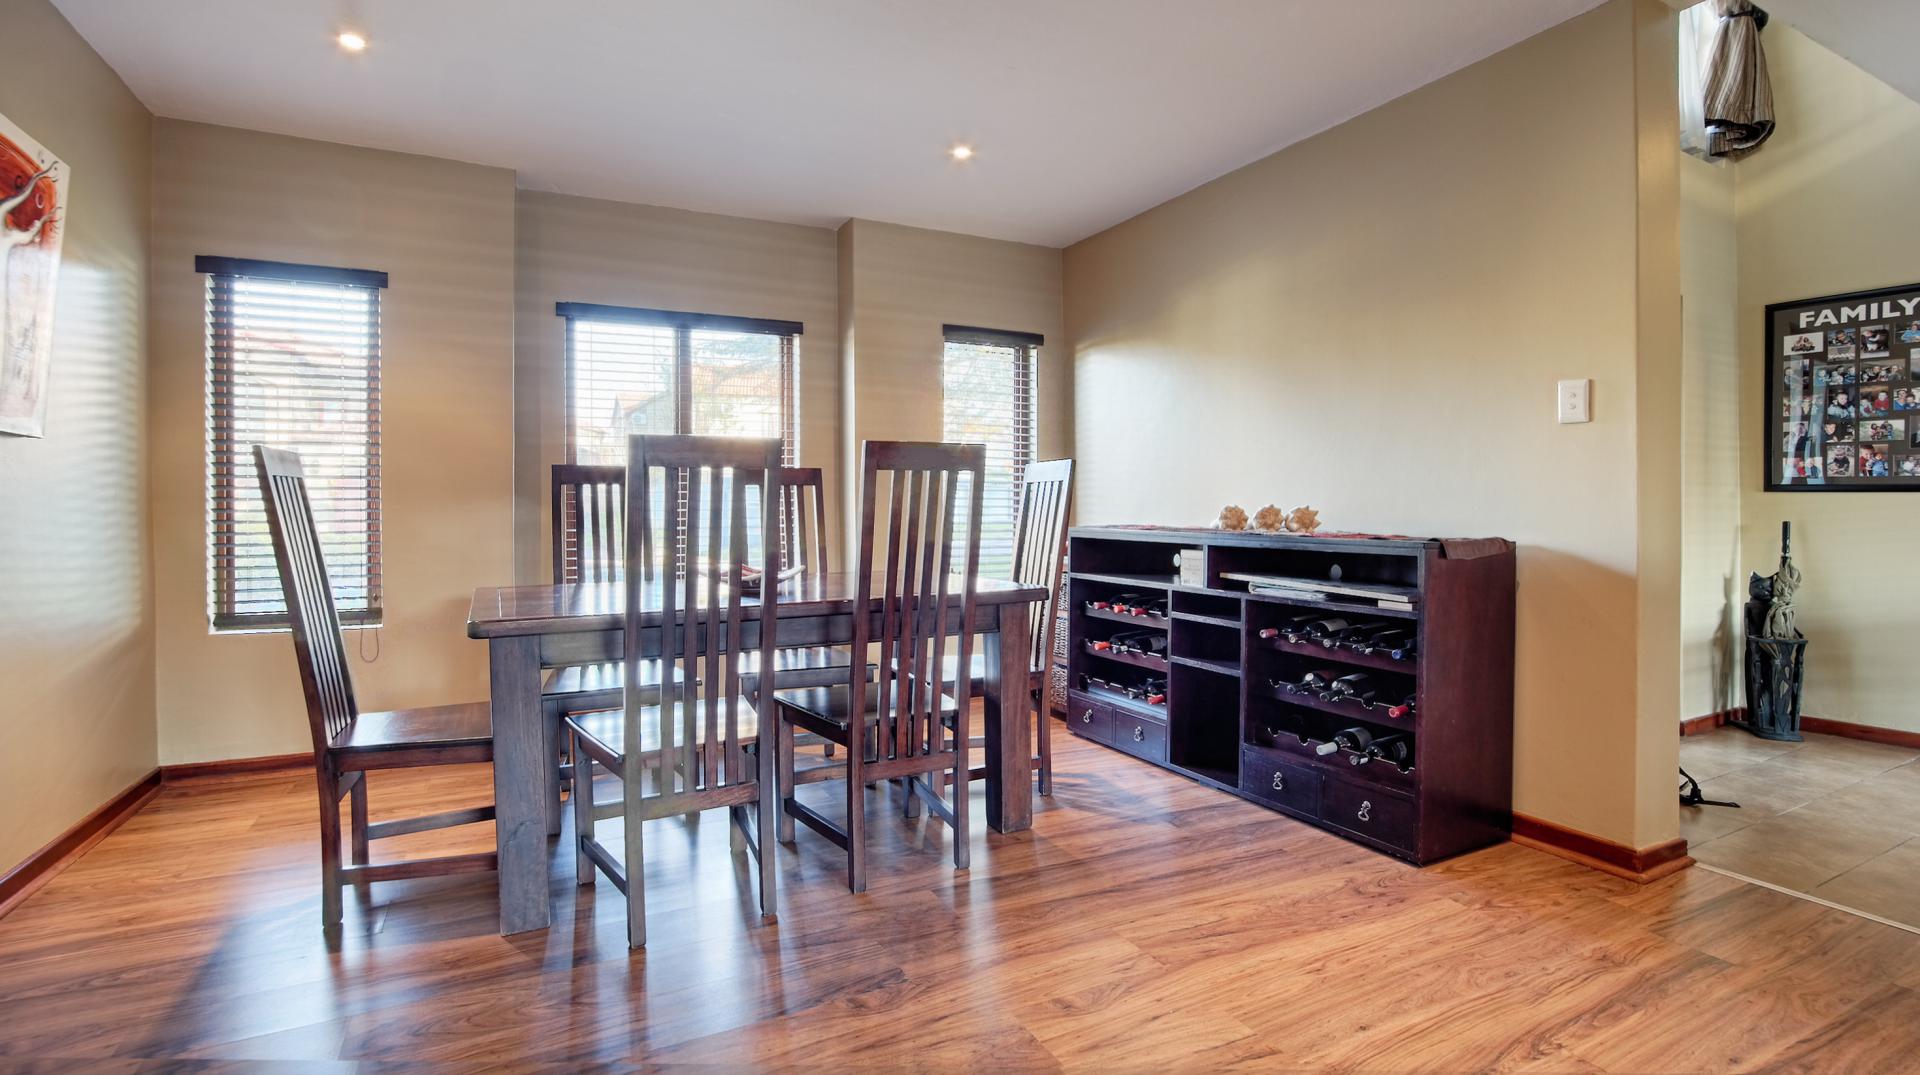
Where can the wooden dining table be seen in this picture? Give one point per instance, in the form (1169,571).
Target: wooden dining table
(529,629)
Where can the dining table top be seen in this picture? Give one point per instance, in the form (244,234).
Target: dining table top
(601,606)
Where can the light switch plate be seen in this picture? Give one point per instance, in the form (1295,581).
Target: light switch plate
(1575,402)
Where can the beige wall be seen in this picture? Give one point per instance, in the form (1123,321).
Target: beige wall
(1373,321)
(444,232)
(1828,205)
(76,621)
(1712,584)
(899,285)
(584,250)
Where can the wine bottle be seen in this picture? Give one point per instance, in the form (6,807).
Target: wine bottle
(1145,643)
(1295,630)
(1269,633)
(1370,635)
(1356,687)
(1327,631)
(1396,748)
(1315,682)
(1154,691)
(1352,740)
(1404,709)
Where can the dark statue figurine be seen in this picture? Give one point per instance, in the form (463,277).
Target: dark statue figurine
(1776,651)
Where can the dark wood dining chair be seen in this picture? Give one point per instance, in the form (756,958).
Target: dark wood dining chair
(346,742)
(1039,550)
(1039,554)
(803,541)
(691,742)
(902,726)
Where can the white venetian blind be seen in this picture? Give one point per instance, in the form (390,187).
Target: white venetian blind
(293,362)
(987,379)
(632,370)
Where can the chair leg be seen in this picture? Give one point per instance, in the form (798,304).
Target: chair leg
(911,808)
(359,796)
(957,798)
(630,818)
(767,807)
(582,813)
(787,788)
(1044,720)
(329,845)
(856,811)
(550,735)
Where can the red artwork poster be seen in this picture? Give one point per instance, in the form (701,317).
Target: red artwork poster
(33,203)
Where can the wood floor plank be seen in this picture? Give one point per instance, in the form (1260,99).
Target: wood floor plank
(1143,922)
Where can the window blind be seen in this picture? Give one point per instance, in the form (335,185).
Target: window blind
(988,399)
(293,361)
(632,370)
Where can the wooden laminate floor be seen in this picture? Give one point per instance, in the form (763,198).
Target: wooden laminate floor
(1835,818)
(1145,923)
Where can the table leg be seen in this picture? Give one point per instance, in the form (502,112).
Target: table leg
(1009,740)
(519,783)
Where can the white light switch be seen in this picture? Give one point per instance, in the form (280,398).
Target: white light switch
(1574,401)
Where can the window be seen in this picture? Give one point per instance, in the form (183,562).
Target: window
(293,361)
(656,371)
(988,383)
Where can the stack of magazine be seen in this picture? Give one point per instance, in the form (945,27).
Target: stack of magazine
(1401,598)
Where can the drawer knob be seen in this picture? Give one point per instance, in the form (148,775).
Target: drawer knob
(1087,717)
(1139,734)
(1366,810)
(1279,780)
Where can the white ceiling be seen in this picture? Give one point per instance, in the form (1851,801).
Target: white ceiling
(1878,36)
(1083,112)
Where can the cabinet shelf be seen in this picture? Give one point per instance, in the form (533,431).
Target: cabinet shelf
(1225,668)
(1151,664)
(1317,652)
(1121,617)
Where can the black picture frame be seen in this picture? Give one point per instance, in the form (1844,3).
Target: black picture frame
(1772,418)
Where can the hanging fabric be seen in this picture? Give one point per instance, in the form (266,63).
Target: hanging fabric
(1739,95)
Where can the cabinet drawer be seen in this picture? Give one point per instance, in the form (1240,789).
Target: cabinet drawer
(1371,812)
(1139,736)
(1271,777)
(1089,719)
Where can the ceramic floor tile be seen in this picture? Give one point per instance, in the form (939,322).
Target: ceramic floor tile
(1887,885)
(1726,750)
(1700,824)
(1799,851)
(1856,754)
(1774,787)
(1879,802)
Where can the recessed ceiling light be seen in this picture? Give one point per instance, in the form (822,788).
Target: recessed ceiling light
(351,41)
(961,152)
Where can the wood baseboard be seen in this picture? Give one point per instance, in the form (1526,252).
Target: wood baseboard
(1889,736)
(1703,725)
(1643,865)
(215,770)
(1817,725)
(43,865)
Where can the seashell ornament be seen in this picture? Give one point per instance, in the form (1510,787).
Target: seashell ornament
(1270,519)
(1232,517)
(1303,520)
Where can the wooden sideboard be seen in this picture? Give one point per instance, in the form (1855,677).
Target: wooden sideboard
(1232,708)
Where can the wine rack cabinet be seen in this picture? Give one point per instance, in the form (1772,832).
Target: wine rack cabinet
(1199,677)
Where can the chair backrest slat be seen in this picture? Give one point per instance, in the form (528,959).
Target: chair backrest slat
(588,522)
(919,593)
(803,520)
(693,736)
(1040,544)
(313,621)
